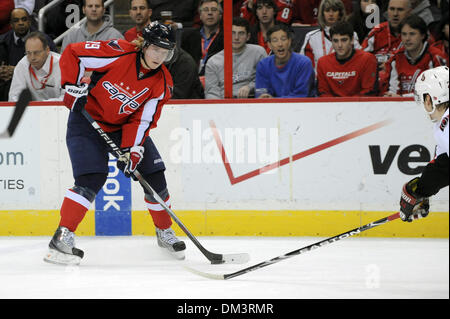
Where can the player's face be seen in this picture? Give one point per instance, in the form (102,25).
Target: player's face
(280,45)
(331,16)
(155,56)
(94,10)
(240,37)
(35,52)
(20,22)
(265,13)
(412,38)
(343,45)
(210,14)
(435,116)
(397,11)
(140,12)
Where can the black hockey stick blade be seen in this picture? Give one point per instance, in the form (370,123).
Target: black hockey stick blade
(21,105)
(294,252)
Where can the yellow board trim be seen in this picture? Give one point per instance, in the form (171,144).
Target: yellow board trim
(40,223)
(239,223)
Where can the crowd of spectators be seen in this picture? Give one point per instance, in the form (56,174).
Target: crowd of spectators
(349,48)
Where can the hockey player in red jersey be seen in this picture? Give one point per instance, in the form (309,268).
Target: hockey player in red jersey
(347,71)
(128,87)
(431,92)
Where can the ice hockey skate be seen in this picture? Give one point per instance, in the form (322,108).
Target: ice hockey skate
(167,239)
(62,248)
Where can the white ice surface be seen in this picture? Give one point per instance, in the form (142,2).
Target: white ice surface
(135,267)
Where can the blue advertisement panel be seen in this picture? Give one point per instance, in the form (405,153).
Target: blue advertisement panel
(113,204)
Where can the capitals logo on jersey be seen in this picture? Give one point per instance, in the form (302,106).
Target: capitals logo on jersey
(129,102)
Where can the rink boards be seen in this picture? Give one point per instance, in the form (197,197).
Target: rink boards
(244,168)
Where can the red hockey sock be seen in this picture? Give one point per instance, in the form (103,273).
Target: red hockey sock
(73,210)
(161,218)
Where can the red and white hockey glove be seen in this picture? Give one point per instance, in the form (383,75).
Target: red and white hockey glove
(413,206)
(76,96)
(129,162)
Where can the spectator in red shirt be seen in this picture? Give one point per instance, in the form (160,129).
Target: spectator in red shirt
(266,13)
(347,71)
(317,42)
(384,39)
(411,60)
(284,10)
(140,12)
(6,6)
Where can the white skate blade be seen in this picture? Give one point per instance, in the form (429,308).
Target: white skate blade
(55,257)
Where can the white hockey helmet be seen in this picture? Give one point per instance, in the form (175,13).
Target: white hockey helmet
(435,83)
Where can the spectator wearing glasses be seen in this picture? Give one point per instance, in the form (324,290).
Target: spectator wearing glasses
(38,71)
(202,43)
(12,47)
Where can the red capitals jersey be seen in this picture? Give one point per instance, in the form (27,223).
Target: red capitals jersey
(124,96)
(285,11)
(402,72)
(381,42)
(356,76)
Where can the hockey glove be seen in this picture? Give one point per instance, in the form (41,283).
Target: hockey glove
(76,96)
(129,162)
(412,205)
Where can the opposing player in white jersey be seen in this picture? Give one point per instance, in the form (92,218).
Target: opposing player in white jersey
(431,92)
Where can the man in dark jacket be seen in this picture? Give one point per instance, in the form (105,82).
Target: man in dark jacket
(184,71)
(203,43)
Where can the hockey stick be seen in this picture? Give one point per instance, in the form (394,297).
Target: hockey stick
(212,257)
(296,252)
(21,105)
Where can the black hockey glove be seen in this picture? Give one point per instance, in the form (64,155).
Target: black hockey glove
(412,205)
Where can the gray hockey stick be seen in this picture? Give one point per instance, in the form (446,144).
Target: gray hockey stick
(212,257)
(21,105)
